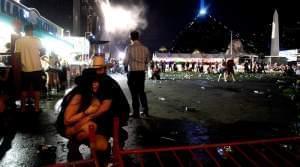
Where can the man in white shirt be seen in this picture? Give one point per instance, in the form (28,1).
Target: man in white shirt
(30,49)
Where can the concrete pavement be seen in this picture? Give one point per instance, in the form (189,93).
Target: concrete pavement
(183,112)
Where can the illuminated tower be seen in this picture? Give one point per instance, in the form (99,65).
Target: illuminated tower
(275,35)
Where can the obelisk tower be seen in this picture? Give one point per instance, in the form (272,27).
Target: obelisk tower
(275,36)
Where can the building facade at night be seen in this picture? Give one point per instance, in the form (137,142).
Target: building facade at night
(85,18)
(14,16)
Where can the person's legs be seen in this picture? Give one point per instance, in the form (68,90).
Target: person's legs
(24,95)
(80,135)
(225,76)
(56,81)
(37,97)
(101,143)
(25,87)
(36,86)
(101,149)
(134,94)
(141,92)
(50,80)
(233,78)
(220,75)
(123,137)
(80,130)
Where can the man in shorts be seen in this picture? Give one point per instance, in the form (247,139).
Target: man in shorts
(29,49)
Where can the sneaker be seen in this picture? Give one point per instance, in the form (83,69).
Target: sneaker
(145,115)
(134,115)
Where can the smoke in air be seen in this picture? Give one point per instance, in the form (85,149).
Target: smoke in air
(120,20)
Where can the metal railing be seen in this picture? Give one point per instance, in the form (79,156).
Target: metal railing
(265,152)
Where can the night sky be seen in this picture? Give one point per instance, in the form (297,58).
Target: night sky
(166,18)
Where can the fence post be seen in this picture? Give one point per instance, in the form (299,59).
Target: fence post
(116,144)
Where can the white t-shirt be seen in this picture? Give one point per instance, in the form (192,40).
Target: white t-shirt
(29,48)
(53,59)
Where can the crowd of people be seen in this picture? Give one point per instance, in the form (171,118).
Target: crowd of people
(225,68)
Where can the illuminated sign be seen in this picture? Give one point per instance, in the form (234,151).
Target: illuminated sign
(28,15)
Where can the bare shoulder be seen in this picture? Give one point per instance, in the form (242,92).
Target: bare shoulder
(76,99)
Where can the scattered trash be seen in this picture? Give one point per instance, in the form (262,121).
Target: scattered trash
(228,148)
(220,151)
(258,92)
(167,138)
(174,133)
(202,87)
(286,147)
(189,109)
(280,82)
(85,151)
(224,150)
(162,98)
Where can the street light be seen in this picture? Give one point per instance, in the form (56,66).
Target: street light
(202,12)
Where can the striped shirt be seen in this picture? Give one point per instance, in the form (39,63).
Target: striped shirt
(137,56)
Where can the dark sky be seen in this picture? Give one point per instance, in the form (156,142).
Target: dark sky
(166,18)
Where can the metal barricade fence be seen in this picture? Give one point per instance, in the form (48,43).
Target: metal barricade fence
(266,152)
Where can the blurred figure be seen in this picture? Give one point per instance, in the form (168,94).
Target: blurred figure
(156,73)
(53,72)
(230,69)
(222,71)
(246,67)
